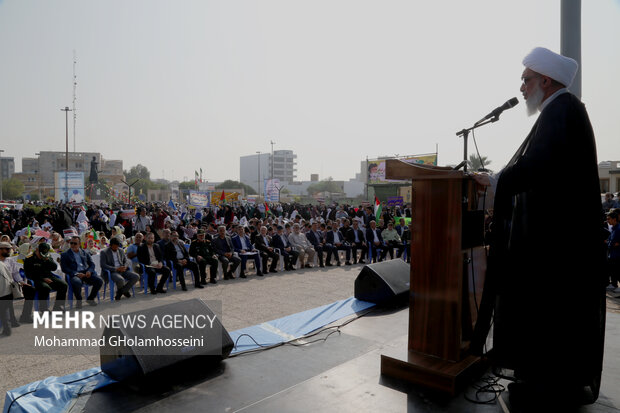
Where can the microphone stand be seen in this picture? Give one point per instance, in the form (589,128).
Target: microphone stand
(465,134)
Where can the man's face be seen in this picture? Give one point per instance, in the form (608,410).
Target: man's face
(355,225)
(373,224)
(240,231)
(75,244)
(138,239)
(296,230)
(221,232)
(174,238)
(5,252)
(315,227)
(114,247)
(531,90)
(150,238)
(263,231)
(201,237)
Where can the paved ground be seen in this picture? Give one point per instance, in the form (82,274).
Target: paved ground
(245,302)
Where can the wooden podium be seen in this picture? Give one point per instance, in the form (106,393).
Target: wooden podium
(448,265)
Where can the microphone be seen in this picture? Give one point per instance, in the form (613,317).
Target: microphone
(498,111)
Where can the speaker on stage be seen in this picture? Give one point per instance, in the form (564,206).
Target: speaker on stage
(384,282)
(142,342)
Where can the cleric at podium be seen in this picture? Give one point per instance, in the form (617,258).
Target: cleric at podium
(546,260)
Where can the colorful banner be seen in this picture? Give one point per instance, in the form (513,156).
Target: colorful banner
(200,199)
(271,190)
(376,168)
(395,200)
(69,186)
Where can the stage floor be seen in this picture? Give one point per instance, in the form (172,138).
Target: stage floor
(340,374)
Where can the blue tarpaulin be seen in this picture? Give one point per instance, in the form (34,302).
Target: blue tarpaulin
(57,394)
(296,325)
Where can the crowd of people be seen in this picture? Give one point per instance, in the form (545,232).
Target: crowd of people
(162,241)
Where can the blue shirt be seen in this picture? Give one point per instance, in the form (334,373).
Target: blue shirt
(81,265)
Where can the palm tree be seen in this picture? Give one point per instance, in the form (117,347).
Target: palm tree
(474,162)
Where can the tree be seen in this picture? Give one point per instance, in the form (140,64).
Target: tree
(327,185)
(474,162)
(12,188)
(187,185)
(236,185)
(144,184)
(138,171)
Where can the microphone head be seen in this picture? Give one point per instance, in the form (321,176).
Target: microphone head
(512,103)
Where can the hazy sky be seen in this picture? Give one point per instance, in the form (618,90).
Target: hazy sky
(182,85)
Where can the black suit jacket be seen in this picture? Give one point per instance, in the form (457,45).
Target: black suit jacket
(312,239)
(370,238)
(170,252)
(260,245)
(350,235)
(143,254)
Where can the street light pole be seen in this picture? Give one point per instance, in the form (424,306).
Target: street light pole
(38,155)
(258,179)
(66,110)
(1,197)
(272,143)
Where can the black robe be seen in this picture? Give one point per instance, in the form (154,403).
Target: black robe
(546,260)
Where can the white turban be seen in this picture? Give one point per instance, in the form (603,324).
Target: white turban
(559,68)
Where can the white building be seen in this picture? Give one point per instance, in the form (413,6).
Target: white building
(254,169)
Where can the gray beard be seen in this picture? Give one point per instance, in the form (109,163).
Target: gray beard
(534,101)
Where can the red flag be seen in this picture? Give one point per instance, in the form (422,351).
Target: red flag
(266,208)
(223,197)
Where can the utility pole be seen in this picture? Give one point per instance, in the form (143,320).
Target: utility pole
(259,180)
(38,155)
(272,143)
(66,110)
(1,198)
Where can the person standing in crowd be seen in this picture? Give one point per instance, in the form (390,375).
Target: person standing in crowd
(6,295)
(613,250)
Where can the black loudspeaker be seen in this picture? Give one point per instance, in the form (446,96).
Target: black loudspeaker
(385,282)
(140,343)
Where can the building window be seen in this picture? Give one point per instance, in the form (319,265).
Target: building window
(605,185)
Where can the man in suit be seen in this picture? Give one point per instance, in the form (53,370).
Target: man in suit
(79,268)
(114,260)
(335,241)
(356,238)
(302,246)
(375,241)
(38,267)
(202,251)
(244,248)
(152,258)
(315,237)
(175,252)
(226,252)
(280,241)
(262,242)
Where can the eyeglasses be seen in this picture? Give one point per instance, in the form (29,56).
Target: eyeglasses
(74,243)
(527,79)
